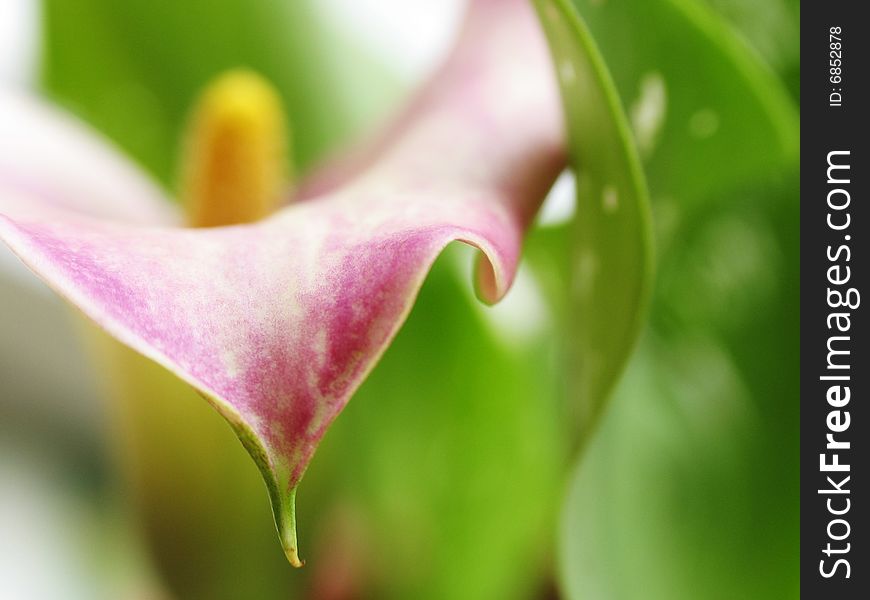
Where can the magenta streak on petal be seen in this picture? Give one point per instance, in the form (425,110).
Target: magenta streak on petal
(279,322)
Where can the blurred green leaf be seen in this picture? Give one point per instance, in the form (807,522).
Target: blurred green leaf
(688,490)
(611,250)
(773,28)
(689,487)
(134,68)
(705,112)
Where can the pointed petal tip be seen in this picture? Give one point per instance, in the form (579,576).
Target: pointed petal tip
(285,519)
(292,554)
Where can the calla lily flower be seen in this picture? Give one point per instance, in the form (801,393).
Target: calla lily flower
(276,317)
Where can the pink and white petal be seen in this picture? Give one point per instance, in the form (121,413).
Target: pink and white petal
(48,157)
(277,323)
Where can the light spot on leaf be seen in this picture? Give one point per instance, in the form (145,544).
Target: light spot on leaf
(648,111)
(609,199)
(566,72)
(704,123)
(585,271)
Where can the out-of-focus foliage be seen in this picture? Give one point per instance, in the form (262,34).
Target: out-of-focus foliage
(688,489)
(134,68)
(773,28)
(706,113)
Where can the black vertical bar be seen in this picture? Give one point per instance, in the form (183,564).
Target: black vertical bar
(835,562)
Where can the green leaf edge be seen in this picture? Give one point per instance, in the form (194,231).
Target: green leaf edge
(570,17)
(761,80)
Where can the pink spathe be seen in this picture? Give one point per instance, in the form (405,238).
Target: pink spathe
(278,322)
